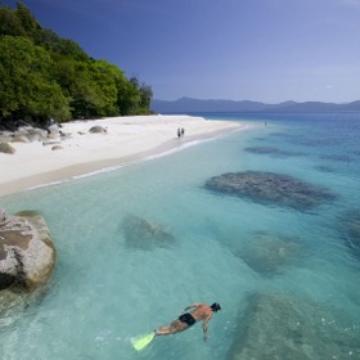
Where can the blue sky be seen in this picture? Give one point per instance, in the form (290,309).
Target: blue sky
(262,50)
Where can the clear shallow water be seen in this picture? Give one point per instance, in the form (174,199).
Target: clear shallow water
(105,291)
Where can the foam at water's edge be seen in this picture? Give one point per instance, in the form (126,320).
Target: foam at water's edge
(137,161)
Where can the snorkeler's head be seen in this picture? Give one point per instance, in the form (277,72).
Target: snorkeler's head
(215,307)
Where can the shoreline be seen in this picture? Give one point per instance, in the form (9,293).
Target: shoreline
(134,139)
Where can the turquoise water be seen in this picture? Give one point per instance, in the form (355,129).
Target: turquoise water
(106,291)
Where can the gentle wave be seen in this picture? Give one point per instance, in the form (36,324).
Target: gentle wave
(134,162)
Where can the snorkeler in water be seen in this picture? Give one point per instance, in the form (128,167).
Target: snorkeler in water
(200,312)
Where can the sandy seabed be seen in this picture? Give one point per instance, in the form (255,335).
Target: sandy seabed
(127,139)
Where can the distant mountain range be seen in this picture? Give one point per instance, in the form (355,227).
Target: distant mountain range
(186,104)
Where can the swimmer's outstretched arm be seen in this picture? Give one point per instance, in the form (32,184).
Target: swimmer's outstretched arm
(192,306)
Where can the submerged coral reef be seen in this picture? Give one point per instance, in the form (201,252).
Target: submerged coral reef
(267,187)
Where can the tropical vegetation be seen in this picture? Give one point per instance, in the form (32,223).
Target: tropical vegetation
(44,76)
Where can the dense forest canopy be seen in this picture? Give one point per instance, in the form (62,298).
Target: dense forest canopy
(43,76)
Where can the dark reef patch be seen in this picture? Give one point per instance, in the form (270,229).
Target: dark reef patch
(317,142)
(337,157)
(268,150)
(260,138)
(271,188)
(325,169)
(350,230)
(282,135)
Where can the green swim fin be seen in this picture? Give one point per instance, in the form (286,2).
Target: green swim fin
(141,342)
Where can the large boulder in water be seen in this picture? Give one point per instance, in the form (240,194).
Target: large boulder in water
(141,233)
(271,188)
(285,328)
(269,253)
(27,253)
(27,258)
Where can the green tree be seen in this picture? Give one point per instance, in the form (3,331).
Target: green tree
(27,20)
(128,98)
(90,85)
(43,75)
(146,95)
(136,98)
(103,76)
(27,89)
(10,24)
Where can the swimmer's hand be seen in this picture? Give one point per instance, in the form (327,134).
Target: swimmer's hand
(205,337)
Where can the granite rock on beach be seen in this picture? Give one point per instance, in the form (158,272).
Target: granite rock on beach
(97,130)
(6,148)
(26,135)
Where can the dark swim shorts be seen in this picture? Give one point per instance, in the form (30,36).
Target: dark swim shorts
(187,319)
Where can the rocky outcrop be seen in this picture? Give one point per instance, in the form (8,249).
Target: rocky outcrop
(27,259)
(141,233)
(31,133)
(282,327)
(269,253)
(97,129)
(20,139)
(27,134)
(6,148)
(53,131)
(271,188)
(27,254)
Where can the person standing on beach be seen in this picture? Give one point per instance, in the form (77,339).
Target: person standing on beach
(178,132)
(200,312)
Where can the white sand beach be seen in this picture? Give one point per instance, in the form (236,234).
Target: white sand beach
(126,139)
